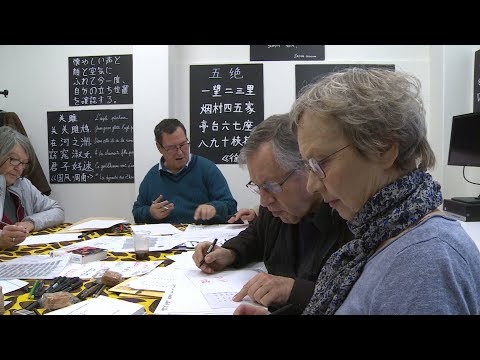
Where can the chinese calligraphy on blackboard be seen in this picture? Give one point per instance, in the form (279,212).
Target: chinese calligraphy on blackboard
(90,146)
(226,102)
(100,80)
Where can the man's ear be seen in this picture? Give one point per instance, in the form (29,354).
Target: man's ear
(388,157)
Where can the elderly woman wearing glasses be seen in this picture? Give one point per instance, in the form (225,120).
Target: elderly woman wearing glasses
(23,207)
(363,134)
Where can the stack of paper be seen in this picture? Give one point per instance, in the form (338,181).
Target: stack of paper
(102,305)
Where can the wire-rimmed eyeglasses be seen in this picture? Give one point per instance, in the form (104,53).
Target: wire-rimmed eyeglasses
(17,162)
(314,165)
(271,187)
(174,148)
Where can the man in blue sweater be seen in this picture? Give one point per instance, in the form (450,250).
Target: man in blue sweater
(182,187)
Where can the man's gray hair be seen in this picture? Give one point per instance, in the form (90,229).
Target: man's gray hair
(277,130)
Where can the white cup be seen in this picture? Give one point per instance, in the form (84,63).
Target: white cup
(141,244)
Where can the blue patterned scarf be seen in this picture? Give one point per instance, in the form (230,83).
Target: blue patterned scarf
(390,211)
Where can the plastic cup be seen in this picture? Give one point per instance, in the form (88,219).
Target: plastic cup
(141,244)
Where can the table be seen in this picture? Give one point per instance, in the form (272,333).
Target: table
(19,298)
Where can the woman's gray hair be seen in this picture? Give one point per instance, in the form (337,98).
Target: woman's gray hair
(374,108)
(277,130)
(9,137)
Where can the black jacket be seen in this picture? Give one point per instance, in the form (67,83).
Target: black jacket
(292,250)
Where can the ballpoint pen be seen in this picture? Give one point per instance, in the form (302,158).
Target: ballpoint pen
(209,250)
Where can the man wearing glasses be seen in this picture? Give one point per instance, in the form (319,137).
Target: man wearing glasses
(182,187)
(294,233)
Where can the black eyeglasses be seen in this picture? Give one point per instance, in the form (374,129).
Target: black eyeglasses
(271,187)
(314,165)
(174,148)
(16,162)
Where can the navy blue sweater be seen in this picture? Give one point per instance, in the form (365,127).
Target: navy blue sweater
(201,182)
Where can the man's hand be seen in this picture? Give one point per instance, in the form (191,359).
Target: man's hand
(267,289)
(217,260)
(244,215)
(204,212)
(161,209)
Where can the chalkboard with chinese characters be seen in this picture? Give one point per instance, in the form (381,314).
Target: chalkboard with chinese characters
(476,82)
(100,80)
(287,52)
(306,74)
(226,102)
(90,146)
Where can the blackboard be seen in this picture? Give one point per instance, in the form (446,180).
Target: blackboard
(226,102)
(90,146)
(476,82)
(287,52)
(100,80)
(306,74)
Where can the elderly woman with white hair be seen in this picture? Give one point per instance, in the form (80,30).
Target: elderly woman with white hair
(23,208)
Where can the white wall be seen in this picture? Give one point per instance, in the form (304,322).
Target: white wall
(457,99)
(37,78)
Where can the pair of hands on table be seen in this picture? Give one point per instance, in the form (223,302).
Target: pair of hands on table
(160,209)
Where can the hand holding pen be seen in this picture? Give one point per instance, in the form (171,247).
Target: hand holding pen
(219,257)
(11,235)
(209,250)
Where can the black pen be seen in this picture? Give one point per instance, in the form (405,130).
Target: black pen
(87,292)
(99,291)
(209,250)
(66,284)
(74,285)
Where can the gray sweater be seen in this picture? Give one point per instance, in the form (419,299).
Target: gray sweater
(434,268)
(39,209)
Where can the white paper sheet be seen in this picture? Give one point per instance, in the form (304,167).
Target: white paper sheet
(50,238)
(12,285)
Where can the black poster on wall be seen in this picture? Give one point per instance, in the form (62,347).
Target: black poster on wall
(287,52)
(226,102)
(476,82)
(307,74)
(90,146)
(100,80)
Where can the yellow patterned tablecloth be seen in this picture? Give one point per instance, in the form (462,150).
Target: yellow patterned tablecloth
(19,298)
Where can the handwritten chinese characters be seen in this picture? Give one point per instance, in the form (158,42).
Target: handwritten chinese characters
(90,146)
(226,102)
(100,80)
